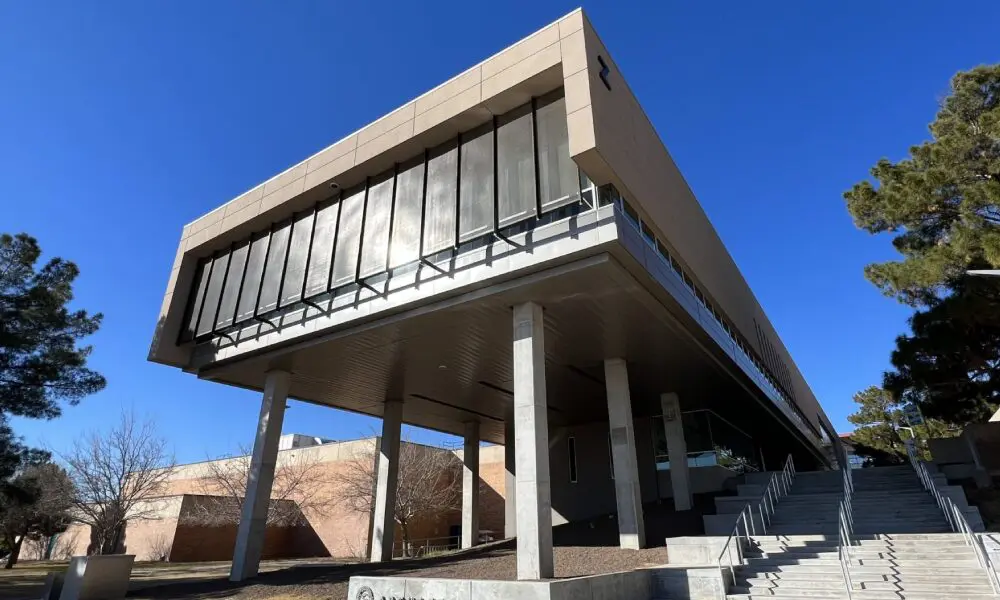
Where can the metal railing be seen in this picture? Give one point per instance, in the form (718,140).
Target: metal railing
(426,546)
(777,487)
(956,519)
(845,530)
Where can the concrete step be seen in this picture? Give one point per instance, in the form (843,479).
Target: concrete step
(895,537)
(827,571)
(873,563)
(879,545)
(745,594)
(928,552)
(979,587)
(867,555)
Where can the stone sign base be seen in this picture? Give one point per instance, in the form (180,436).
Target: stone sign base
(632,585)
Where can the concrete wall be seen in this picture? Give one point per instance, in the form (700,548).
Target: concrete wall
(593,493)
(985,437)
(950,451)
(626,150)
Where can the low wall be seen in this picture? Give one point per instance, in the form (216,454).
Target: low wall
(950,451)
(634,585)
(689,583)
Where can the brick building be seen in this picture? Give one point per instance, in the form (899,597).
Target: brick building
(173,527)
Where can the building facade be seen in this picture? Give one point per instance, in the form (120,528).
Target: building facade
(189,520)
(512,257)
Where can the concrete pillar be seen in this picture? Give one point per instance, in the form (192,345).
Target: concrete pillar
(531,437)
(470,486)
(680,477)
(631,527)
(510,479)
(253,519)
(383,521)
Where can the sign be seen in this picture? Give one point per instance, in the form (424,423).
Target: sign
(911,412)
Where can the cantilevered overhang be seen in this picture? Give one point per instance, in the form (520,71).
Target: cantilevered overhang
(445,346)
(538,64)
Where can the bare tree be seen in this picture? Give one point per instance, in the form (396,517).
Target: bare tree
(117,472)
(301,488)
(429,484)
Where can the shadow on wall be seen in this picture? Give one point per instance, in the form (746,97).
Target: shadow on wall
(197,539)
(201,543)
(661,521)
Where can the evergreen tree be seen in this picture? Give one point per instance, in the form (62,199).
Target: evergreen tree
(878,435)
(34,504)
(950,365)
(40,362)
(943,202)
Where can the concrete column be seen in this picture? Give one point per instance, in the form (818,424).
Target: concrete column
(510,479)
(531,437)
(631,527)
(470,486)
(383,521)
(680,477)
(253,519)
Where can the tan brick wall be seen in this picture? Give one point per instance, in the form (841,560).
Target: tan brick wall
(491,497)
(337,532)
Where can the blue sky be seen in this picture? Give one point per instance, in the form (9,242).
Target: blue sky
(121,121)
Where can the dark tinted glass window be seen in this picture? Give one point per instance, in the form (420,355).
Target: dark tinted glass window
(439,212)
(253,276)
(276,254)
(213,294)
(558,177)
(475,192)
(345,257)
(515,167)
(298,253)
(405,244)
(324,235)
(197,295)
(572,460)
(231,293)
(375,253)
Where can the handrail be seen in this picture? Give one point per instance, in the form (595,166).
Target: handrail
(777,486)
(845,530)
(956,519)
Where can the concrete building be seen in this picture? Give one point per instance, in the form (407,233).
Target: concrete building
(190,519)
(512,257)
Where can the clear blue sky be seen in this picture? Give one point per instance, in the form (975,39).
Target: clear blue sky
(120,121)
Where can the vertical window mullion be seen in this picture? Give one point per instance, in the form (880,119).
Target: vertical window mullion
(312,235)
(458,191)
(336,234)
(222,292)
(534,152)
(423,207)
(496,180)
(260,284)
(361,236)
(201,304)
(392,214)
(284,262)
(243,278)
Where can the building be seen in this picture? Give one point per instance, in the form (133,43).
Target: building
(512,257)
(190,520)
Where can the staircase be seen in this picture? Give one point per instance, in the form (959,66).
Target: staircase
(904,546)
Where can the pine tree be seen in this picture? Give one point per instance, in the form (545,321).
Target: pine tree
(40,361)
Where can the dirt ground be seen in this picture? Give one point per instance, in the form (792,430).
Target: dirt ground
(315,579)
